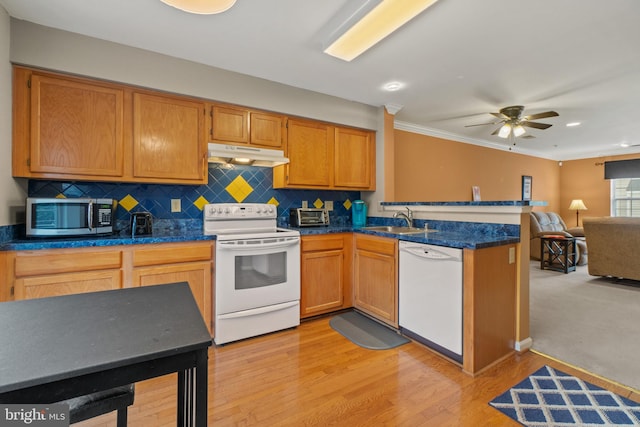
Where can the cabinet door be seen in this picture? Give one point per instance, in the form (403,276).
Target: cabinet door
(354,159)
(76,128)
(322,282)
(197,274)
(266,130)
(67,284)
(310,151)
(376,278)
(230,124)
(168,139)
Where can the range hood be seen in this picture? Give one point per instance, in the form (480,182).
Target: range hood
(250,156)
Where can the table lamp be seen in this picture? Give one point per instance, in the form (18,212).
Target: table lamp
(577,205)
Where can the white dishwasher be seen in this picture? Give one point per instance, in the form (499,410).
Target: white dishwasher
(430,296)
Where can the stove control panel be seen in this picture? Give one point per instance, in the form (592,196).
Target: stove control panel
(238,211)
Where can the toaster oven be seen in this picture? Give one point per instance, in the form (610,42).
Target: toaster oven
(308,217)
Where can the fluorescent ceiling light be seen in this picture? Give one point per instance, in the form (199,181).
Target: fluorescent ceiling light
(202,7)
(365,28)
(572,124)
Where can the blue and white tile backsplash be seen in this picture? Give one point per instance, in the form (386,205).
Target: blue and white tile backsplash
(156,198)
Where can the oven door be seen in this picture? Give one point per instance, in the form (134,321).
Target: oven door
(256,272)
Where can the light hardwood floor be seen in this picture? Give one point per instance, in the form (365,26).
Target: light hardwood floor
(312,376)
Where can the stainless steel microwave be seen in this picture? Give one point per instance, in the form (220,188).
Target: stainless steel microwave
(51,217)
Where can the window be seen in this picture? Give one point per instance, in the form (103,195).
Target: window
(625,197)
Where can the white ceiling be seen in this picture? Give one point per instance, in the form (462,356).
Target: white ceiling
(460,60)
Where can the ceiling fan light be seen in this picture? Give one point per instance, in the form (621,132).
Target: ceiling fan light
(518,130)
(201,7)
(505,130)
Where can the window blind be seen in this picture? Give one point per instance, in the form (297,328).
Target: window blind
(622,169)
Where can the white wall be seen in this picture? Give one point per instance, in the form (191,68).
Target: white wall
(11,194)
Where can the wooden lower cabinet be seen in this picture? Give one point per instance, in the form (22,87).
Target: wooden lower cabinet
(179,262)
(325,274)
(375,279)
(54,272)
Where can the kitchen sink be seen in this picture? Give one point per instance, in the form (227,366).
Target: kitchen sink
(396,229)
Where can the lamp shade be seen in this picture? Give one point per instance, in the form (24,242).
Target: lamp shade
(202,7)
(577,205)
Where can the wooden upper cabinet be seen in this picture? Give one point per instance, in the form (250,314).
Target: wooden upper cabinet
(324,156)
(266,130)
(230,124)
(168,138)
(354,155)
(73,128)
(76,128)
(310,153)
(237,125)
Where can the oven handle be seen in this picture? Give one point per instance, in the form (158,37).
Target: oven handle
(260,310)
(234,246)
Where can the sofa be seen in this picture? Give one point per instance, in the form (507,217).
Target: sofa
(614,246)
(550,223)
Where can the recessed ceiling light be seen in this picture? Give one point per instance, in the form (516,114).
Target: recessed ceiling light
(572,124)
(393,86)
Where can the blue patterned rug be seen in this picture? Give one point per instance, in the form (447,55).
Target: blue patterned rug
(550,397)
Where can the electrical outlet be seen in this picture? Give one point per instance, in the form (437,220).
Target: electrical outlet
(176,205)
(328,205)
(305,204)
(512,255)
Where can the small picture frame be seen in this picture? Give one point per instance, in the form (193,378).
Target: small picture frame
(475,191)
(527,182)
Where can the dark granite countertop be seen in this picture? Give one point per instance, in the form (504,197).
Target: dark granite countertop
(168,236)
(460,240)
(464,238)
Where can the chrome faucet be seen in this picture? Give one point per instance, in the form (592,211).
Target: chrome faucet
(407,216)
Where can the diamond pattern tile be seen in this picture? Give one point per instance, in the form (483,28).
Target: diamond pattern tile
(239,189)
(200,202)
(128,202)
(318,204)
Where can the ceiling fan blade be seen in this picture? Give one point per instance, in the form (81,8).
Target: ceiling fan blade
(482,124)
(542,115)
(536,125)
(500,115)
(497,131)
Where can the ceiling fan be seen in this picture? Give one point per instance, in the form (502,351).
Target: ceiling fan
(513,123)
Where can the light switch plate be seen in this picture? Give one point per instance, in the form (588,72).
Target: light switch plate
(328,205)
(176,205)
(305,204)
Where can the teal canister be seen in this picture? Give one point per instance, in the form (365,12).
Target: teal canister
(359,213)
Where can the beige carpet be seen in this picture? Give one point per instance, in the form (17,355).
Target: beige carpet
(589,322)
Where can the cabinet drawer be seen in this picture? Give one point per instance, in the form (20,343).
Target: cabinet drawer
(171,253)
(35,263)
(381,245)
(322,243)
(67,284)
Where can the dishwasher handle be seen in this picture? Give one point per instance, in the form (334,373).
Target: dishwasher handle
(428,253)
